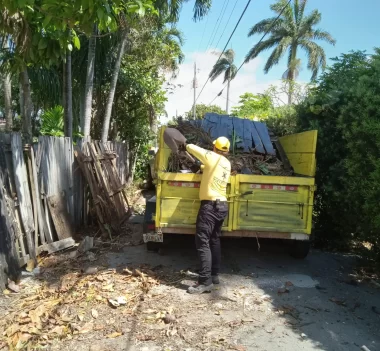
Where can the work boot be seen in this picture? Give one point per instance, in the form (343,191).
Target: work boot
(200,289)
(215,279)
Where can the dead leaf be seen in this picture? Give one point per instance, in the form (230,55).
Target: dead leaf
(287,284)
(59,330)
(81,317)
(14,328)
(30,265)
(239,348)
(282,291)
(94,313)
(88,327)
(338,301)
(108,287)
(113,335)
(113,303)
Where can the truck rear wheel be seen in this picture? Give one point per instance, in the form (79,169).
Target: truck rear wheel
(153,246)
(299,248)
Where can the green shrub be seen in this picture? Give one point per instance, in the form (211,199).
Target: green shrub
(344,107)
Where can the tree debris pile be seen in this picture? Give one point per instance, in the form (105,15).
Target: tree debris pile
(56,311)
(242,162)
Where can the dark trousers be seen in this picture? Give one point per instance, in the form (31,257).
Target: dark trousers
(210,219)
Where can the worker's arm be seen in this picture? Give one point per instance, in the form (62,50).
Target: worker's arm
(199,153)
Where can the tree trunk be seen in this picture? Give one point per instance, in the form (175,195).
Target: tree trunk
(27,106)
(86,126)
(7,86)
(69,98)
(115,76)
(228,96)
(21,98)
(291,71)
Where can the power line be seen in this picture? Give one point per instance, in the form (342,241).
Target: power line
(221,19)
(216,23)
(204,30)
(228,21)
(245,61)
(237,24)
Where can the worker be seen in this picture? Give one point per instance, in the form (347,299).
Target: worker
(213,210)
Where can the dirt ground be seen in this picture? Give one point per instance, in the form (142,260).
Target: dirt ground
(266,301)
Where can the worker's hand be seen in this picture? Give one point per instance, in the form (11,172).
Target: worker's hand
(182,147)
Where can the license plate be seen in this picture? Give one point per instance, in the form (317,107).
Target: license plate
(158,238)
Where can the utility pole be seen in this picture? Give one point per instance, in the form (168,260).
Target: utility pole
(195,89)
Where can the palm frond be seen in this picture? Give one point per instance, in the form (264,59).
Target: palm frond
(264,26)
(277,54)
(260,47)
(229,55)
(323,35)
(230,73)
(316,57)
(201,8)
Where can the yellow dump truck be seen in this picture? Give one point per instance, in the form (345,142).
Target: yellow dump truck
(260,206)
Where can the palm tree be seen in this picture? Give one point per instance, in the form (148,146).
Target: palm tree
(225,65)
(291,31)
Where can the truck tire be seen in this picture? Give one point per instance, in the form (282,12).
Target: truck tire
(153,246)
(299,248)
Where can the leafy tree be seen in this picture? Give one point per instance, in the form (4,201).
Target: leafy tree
(253,106)
(348,152)
(200,9)
(225,65)
(202,109)
(294,30)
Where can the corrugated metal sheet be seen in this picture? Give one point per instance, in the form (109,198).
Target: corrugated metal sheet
(243,134)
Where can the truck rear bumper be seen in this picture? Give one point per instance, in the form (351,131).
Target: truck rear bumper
(243,234)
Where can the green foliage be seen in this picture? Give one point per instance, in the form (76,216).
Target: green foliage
(52,122)
(344,109)
(253,106)
(202,109)
(282,120)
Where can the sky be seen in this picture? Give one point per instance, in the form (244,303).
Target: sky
(353,24)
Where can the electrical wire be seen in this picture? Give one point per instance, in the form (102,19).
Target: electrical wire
(228,21)
(245,61)
(221,19)
(237,24)
(216,23)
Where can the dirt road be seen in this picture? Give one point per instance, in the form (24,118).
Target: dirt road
(283,303)
(266,301)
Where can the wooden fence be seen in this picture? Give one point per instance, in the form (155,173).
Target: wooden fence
(43,194)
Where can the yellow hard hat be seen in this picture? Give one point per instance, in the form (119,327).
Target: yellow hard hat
(222,144)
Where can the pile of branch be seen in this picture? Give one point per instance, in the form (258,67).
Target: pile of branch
(241,162)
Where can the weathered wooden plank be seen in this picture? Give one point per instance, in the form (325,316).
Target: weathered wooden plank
(23,193)
(41,222)
(57,246)
(34,200)
(94,187)
(8,253)
(60,216)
